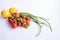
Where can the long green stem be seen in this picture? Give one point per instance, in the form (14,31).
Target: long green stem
(45,21)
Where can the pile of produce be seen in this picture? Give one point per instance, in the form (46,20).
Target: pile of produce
(23,19)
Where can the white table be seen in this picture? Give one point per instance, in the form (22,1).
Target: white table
(45,8)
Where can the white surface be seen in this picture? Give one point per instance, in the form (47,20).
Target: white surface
(45,8)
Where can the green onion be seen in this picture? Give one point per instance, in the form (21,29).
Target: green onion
(36,20)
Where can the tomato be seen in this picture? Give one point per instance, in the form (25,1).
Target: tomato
(14,25)
(9,17)
(27,18)
(27,22)
(19,23)
(23,24)
(20,15)
(10,20)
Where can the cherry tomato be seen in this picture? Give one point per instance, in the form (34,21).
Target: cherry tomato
(27,22)
(20,15)
(14,25)
(27,18)
(10,20)
(9,17)
(23,24)
(19,23)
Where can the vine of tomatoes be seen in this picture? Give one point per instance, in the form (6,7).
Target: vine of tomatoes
(17,20)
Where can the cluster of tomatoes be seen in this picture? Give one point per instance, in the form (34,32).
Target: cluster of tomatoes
(17,20)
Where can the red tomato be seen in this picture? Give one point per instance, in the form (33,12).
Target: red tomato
(19,23)
(27,22)
(9,17)
(20,15)
(10,20)
(14,25)
(27,18)
(23,24)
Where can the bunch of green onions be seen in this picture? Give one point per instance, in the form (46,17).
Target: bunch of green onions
(37,19)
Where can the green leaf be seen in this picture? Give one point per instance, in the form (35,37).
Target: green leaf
(12,16)
(22,20)
(15,21)
(27,26)
(24,14)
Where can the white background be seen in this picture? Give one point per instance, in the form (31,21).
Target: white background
(45,8)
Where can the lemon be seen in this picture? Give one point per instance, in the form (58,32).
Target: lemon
(5,13)
(13,10)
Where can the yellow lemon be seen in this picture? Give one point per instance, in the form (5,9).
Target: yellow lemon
(13,10)
(5,13)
